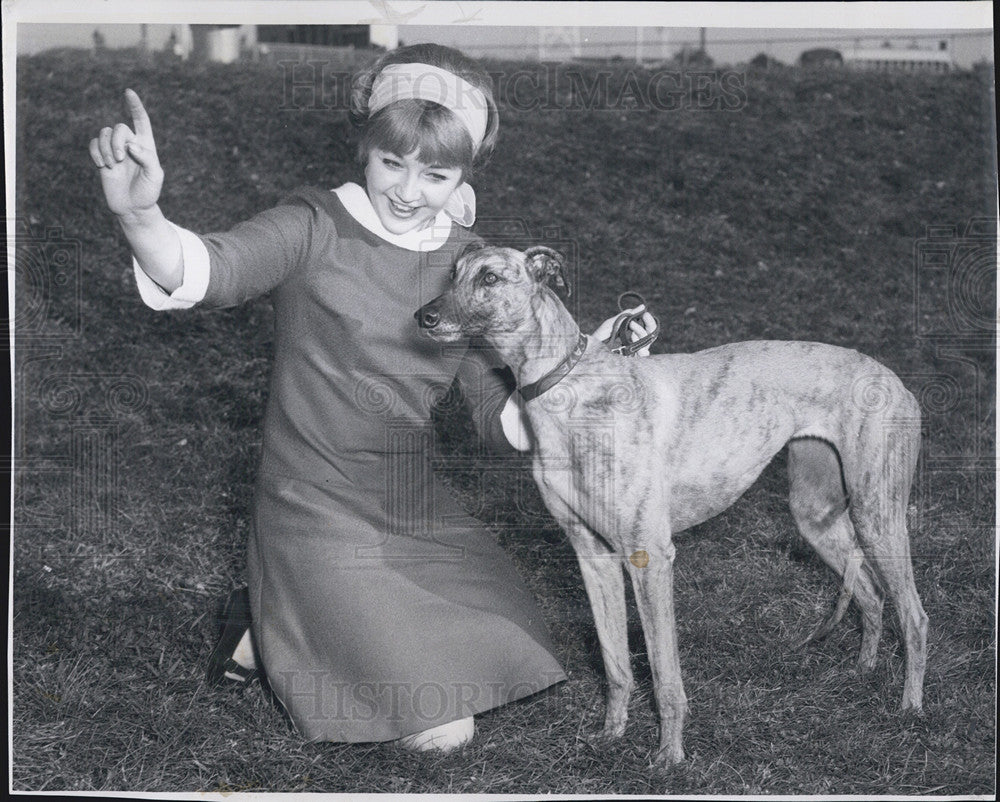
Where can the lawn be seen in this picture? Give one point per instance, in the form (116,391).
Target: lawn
(819,205)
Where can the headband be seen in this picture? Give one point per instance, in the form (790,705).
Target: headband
(426,82)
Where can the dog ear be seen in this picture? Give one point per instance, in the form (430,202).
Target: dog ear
(475,245)
(546,265)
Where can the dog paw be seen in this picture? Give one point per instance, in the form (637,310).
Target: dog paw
(604,736)
(866,666)
(668,757)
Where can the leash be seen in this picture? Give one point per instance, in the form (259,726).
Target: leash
(619,341)
(619,334)
(557,374)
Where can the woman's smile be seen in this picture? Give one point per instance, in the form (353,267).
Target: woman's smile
(402,209)
(405,192)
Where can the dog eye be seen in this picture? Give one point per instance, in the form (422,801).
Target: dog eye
(490,278)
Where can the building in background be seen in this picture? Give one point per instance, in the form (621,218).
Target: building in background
(821,57)
(901,59)
(642,44)
(328,35)
(574,43)
(559,43)
(301,42)
(221,43)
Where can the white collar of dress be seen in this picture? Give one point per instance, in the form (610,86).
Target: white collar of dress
(359,206)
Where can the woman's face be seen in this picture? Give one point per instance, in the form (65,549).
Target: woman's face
(407,193)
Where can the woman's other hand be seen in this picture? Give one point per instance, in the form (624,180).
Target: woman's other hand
(637,328)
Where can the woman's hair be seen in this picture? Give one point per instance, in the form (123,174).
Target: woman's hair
(422,125)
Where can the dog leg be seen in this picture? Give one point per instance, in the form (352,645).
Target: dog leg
(817,501)
(879,512)
(850,578)
(652,572)
(604,581)
(888,544)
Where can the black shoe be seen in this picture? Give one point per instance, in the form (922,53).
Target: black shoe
(233,624)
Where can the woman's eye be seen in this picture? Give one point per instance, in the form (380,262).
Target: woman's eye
(390,162)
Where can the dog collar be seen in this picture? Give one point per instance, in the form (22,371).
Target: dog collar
(557,374)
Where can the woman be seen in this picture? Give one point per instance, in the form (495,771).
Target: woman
(380,610)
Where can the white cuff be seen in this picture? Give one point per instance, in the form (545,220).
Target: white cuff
(514,422)
(195,282)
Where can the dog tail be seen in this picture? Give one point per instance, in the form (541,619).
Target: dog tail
(851,571)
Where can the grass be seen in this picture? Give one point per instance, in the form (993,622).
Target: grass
(798,216)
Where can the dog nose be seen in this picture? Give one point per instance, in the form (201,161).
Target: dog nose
(427,318)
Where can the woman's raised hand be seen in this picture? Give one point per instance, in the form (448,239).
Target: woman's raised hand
(130,170)
(132,178)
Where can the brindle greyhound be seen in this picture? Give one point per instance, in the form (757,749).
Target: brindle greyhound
(629,451)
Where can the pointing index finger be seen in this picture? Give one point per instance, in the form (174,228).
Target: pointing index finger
(140,120)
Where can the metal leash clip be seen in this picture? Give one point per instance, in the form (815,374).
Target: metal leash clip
(619,341)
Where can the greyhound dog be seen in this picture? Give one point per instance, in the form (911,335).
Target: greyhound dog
(629,451)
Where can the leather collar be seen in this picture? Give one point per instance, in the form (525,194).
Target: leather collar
(557,374)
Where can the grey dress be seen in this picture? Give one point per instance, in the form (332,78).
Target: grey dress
(380,607)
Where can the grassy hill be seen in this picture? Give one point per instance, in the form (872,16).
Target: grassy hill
(805,211)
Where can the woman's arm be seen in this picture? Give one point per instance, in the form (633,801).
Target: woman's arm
(176,268)
(132,178)
(488,387)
